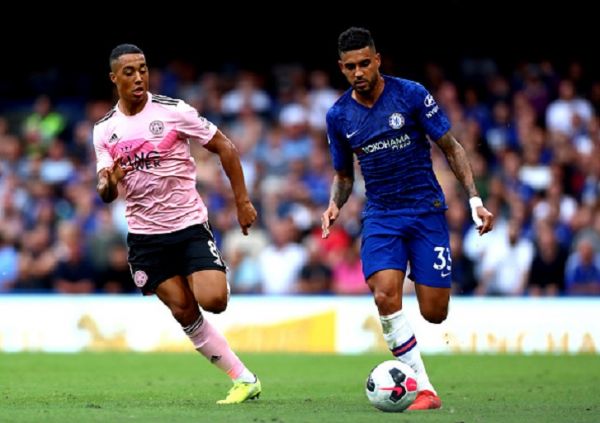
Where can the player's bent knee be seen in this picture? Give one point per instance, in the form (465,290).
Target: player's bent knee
(435,316)
(216,304)
(434,312)
(382,298)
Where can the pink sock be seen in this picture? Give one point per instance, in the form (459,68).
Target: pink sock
(212,345)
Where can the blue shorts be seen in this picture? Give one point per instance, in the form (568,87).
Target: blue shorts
(390,241)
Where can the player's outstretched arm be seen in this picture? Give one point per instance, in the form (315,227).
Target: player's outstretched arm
(341,188)
(459,163)
(230,159)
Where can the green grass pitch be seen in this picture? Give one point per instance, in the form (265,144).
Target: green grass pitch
(129,387)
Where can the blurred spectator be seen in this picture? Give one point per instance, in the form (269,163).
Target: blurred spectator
(56,167)
(463,271)
(505,267)
(501,134)
(116,279)
(321,97)
(556,201)
(43,124)
(280,262)
(37,261)
(296,141)
(568,114)
(511,180)
(243,271)
(315,274)
(9,264)
(81,149)
(348,277)
(241,255)
(591,188)
(334,246)
(476,110)
(458,216)
(534,86)
(583,270)
(586,226)
(534,172)
(317,177)
(547,274)
(548,212)
(102,240)
(476,247)
(13,202)
(12,160)
(247,93)
(273,164)
(74,273)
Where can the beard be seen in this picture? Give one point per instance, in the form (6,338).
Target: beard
(362,86)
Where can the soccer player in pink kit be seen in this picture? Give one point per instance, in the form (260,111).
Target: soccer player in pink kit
(143,144)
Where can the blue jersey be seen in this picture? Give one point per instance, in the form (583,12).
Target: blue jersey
(391,145)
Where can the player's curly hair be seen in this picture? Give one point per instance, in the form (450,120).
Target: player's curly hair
(122,49)
(354,38)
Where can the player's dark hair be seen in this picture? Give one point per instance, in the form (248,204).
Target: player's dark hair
(354,38)
(122,49)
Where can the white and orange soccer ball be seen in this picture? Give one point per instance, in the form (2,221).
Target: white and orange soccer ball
(392,386)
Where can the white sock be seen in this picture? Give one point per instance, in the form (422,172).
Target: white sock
(401,340)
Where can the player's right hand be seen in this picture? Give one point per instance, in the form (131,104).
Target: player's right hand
(328,218)
(113,175)
(118,170)
(109,178)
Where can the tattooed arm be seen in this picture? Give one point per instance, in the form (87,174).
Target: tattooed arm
(341,188)
(459,163)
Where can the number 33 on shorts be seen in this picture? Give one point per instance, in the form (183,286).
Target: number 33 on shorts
(443,261)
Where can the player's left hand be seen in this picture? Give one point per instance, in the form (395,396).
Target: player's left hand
(487,220)
(327,219)
(246,215)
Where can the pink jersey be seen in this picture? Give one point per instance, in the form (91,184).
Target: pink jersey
(161,189)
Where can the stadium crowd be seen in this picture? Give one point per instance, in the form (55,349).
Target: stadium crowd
(532,133)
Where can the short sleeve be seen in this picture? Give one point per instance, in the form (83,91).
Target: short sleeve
(429,113)
(193,125)
(103,157)
(341,151)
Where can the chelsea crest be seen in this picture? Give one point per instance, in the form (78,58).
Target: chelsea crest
(396,120)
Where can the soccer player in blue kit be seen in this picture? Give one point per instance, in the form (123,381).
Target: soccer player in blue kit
(388,123)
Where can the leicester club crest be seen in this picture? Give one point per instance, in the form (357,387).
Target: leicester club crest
(157,127)
(140,278)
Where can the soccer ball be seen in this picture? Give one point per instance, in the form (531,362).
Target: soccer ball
(392,386)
